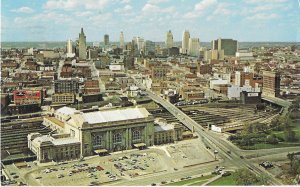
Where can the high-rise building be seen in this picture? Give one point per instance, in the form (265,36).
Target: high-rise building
(149,47)
(140,43)
(229,46)
(185,42)
(169,39)
(122,40)
(194,47)
(106,39)
(271,84)
(82,45)
(70,48)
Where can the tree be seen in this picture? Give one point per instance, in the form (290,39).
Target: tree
(295,166)
(260,127)
(245,177)
(290,135)
(271,139)
(294,163)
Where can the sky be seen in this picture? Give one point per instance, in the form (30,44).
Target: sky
(59,20)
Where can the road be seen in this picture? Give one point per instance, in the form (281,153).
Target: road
(211,139)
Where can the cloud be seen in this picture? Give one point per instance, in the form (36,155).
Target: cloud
(262,16)
(84,14)
(125,1)
(154,9)
(126,10)
(73,4)
(154,2)
(199,8)
(24,9)
(204,4)
(265,1)
(222,9)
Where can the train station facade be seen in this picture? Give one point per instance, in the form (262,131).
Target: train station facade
(90,133)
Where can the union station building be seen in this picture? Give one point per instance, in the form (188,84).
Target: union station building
(78,134)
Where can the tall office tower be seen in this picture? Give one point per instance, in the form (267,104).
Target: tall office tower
(194,47)
(122,40)
(149,47)
(214,45)
(271,84)
(229,46)
(106,39)
(69,46)
(140,44)
(185,42)
(70,49)
(169,39)
(82,45)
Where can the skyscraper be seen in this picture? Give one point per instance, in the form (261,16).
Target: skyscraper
(149,47)
(194,47)
(229,46)
(185,41)
(169,39)
(106,39)
(82,45)
(122,40)
(70,48)
(140,43)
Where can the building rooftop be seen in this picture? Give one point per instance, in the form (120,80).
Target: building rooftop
(163,127)
(115,115)
(59,141)
(56,121)
(63,141)
(67,110)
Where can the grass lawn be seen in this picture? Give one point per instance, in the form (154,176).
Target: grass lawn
(224,181)
(191,182)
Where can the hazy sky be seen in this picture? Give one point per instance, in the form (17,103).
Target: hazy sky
(58,20)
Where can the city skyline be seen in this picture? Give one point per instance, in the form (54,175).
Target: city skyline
(60,20)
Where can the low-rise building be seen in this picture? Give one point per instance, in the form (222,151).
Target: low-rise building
(28,96)
(63,98)
(166,132)
(250,97)
(53,148)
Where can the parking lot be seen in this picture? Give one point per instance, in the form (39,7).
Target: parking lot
(125,165)
(189,152)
